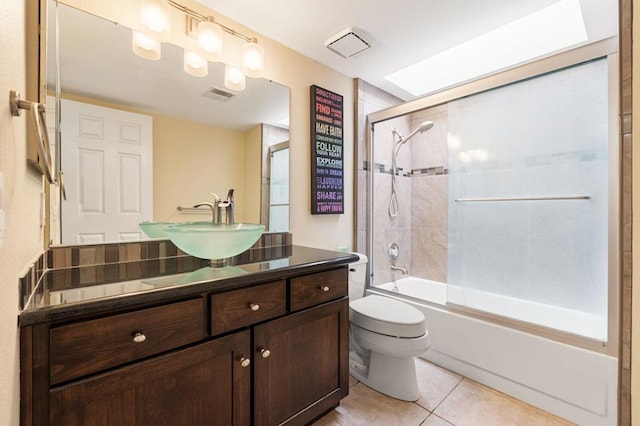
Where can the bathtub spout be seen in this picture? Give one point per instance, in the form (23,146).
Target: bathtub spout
(400,268)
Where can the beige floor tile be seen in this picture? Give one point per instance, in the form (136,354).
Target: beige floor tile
(364,406)
(557,421)
(352,381)
(328,420)
(473,404)
(434,420)
(434,383)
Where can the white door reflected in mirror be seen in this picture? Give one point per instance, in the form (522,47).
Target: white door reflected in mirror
(107,159)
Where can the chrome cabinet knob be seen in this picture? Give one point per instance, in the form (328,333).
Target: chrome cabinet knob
(254,306)
(139,337)
(324,288)
(265,353)
(245,362)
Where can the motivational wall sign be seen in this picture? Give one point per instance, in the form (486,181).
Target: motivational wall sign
(327,157)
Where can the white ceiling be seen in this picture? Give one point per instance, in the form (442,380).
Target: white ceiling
(96,62)
(402,31)
(96,59)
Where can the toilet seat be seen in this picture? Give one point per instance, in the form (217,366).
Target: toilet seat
(387,316)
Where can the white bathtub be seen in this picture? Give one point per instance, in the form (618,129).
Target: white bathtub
(574,383)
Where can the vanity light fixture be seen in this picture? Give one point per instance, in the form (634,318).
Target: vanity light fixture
(145,46)
(195,64)
(234,78)
(155,27)
(155,19)
(252,58)
(209,40)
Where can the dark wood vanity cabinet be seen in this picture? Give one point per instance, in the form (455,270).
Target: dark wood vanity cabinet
(202,385)
(300,365)
(268,354)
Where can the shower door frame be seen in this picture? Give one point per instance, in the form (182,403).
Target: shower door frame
(605,48)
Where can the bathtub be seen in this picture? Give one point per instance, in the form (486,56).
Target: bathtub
(577,384)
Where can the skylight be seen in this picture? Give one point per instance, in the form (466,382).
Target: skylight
(548,30)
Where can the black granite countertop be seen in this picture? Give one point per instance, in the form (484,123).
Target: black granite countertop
(77,292)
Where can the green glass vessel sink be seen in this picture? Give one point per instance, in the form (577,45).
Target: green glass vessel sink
(213,241)
(154,229)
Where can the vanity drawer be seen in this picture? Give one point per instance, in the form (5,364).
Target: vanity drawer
(91,346)
(238,308)
(317,288)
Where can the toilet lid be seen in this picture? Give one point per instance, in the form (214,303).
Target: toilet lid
(387,316)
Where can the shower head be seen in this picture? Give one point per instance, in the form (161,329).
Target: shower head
(393,201)
(423,127)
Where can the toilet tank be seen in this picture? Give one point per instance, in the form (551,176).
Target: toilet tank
(357,277)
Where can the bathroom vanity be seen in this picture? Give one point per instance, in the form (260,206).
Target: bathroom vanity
(264,343)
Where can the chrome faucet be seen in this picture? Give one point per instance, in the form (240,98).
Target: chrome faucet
(400,268)
(226,209)
(221,211)
(214,210)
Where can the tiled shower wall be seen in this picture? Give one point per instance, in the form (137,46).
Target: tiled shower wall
(369,100)
(420,228)
(429,196)
(398,229)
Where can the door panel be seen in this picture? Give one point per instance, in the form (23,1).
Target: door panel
(107,163)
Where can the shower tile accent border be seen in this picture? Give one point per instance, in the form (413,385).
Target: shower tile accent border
(400,171)
(430,171)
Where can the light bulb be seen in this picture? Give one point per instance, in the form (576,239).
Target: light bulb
(155,19)
(145,46)
(210,41)
(195,64)
(234,78)
(253,59)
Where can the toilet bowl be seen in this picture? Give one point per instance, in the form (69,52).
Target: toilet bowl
(385,337)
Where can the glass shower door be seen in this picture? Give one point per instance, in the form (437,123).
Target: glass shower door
(528,200)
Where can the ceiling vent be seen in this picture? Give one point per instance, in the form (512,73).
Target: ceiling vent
(218,94)
(347,43)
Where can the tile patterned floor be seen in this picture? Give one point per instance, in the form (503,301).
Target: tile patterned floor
(446,399)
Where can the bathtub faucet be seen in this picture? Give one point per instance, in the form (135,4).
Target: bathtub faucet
(400,268)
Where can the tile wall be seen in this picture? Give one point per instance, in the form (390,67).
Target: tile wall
(369,99)
(420,229)
(103,263)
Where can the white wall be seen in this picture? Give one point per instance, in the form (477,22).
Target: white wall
(298,73)
(21,200)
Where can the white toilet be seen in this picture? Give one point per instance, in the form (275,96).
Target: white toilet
(386,336)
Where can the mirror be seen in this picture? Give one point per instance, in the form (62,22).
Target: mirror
(197,136)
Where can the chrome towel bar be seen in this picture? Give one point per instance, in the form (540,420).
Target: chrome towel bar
(560,198)
(37,111)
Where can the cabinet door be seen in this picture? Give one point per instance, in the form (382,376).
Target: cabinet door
(202,385)
(306,370)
